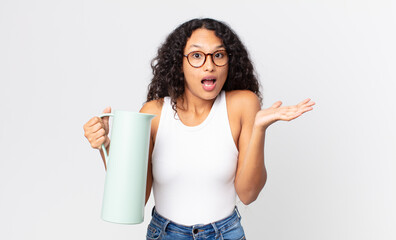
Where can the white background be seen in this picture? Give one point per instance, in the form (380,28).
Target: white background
(331,172)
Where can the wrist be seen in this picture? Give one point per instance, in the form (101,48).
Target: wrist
(260,128)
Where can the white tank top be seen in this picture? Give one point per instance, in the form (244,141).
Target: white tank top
(194,167)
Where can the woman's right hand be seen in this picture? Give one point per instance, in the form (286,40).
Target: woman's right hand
(97,129)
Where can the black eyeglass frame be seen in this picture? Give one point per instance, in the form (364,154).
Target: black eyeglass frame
(206,56)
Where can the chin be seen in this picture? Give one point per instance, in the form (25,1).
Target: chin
(203,94)
(210,95)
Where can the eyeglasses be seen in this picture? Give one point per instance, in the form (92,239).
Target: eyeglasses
(197,58)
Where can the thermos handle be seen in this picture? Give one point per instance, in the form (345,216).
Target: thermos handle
(103,146)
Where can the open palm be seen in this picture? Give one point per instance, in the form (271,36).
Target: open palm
(268,116)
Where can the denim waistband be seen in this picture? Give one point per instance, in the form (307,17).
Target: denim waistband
(217,226)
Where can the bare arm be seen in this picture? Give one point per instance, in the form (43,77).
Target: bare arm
(251,173)
(151,107)
(149,182)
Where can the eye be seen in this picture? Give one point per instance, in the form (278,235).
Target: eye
(219,55)
(196,55)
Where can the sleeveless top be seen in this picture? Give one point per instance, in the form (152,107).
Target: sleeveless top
(194,167)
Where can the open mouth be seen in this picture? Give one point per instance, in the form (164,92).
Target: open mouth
(208,82)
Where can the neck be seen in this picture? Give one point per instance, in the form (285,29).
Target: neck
(193,104)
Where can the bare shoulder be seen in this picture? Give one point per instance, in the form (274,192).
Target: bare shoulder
(243,100)
(153,106)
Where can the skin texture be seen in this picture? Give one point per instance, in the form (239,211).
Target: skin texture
(248,122)
(207,42)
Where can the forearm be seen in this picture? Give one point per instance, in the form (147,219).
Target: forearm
(253,175)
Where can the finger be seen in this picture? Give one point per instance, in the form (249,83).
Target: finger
(95,136)
(92,122)
(92,129)
(310,104)
(100,133)
(304,102)
(106,119)
(307,109)
(306,106)
(98,142)
(107,110)
(276,104)
(96,127)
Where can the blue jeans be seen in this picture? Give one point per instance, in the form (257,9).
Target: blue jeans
(229,228)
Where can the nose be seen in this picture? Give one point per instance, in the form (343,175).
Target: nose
(209,65)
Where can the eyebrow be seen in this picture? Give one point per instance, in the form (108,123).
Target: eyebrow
(199,46)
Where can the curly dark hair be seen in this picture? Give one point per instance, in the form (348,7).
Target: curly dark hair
(168,79)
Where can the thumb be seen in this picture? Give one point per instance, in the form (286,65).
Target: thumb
(106,119)
(276,104)
(107,110)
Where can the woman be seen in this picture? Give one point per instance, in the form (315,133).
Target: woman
(207,140)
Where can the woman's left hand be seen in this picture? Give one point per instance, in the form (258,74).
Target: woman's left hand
(266,117)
